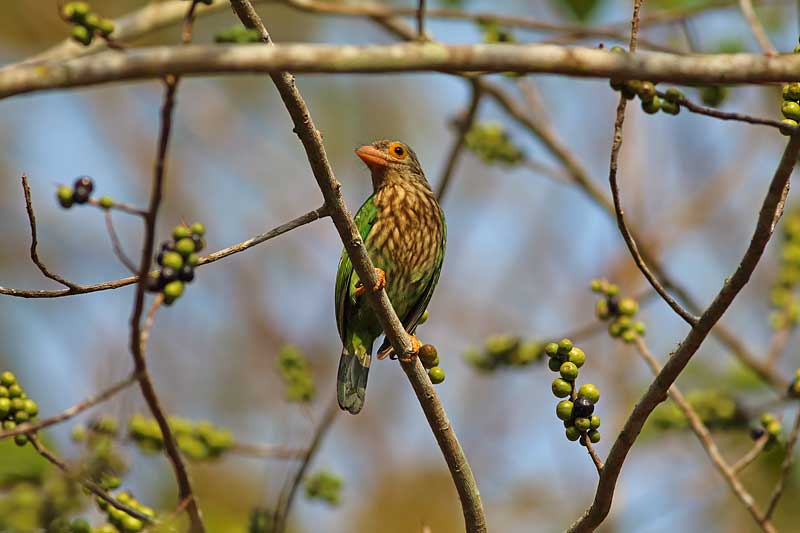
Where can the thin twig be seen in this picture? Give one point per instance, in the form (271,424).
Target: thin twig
(463,125)
(711,448)
(32,427)
(289,489)
(35,242)
(307,218)
(472,507)
(421,20)
(117,245)
(752,454)
(724,115)
(267,451)
(769,214)
(118,206)
(749,13)
(137,330)
(91,486)
(598,463)
(778,343)
(786,467)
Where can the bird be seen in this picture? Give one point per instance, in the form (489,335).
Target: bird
(404,231)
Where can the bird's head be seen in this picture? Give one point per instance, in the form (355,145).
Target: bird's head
(391,161)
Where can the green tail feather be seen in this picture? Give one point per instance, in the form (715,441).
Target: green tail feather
(351,382)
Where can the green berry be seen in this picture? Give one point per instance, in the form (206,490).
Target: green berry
(80,525)
(594,422)
(172,260)
(596,285)
(617,49)
(561,388)
(82,35)
(181,232)
(564,410)
(789,124)
(628,306)
(790,110)
(64,195)
(612,289)
(670,108)
(198,229)
(3,391)
(15,391)
(21,416)
(582,424)
(572,433)
(639,328)
(568,371)
(590,392)
(17,404)
(20,440)
(173,290)
(428,356)
(564,346)
(7,378)
(601,309)
(673,95)
(551,349)
(774,428)
(75,11)
(594,436)
(185,246)
(105,27)
(193,259)
(436,374)
(106,202)
(5,407)
(9,424)
(131,524)
(797,49)
(92,21)
(767,419)
(554,364)
(577,357)
(652,106)
(628,336)
(647,91)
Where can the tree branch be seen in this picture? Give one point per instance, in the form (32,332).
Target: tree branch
(463,125)
(311,139)
(749,13)
(786,467)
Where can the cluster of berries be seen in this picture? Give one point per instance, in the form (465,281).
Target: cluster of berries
(64,525)
(790,108)
(620,311)
(102,462)
(86,23)
(177,259)
(794,387)
(197,440)
(646,91)
(716,408)
(783,295)
(490,142)
(430,360)
(295,371)
(237,35)
(504,351)
(576,410)
(769,425)
(120,521)
(80,193)
(15,406)
(324,486)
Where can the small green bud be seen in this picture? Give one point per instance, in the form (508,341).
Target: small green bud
(172,260)
(198,229)
(185,246)
(82,35)
(594,436)
(590,392)
(561,388)
(106,202)
(551,349)
(652,106)
(436,374)
(564,410)
(564,346)
(670,108)
(173,290)
(594,422)
(569,371)
(628,306)
(572,433)
(582,424)
(64,195)
(577,357)
(7,379)
(790,110)
(428,355)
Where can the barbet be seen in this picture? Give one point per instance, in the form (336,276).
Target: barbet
(404,231)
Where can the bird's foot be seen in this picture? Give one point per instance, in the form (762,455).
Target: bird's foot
(379,285)
(415,346)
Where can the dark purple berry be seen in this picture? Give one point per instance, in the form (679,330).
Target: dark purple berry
(167,274)
(756,433)
(81,194)
(199,242)
(153,284)
(160,259)
(613,306)
(583,408)
(186,273)
(168,246)
(85,182)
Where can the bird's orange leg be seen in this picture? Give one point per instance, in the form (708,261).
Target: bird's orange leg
(415,346)
(380,284)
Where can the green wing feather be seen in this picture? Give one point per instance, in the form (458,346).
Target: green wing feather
(365,218)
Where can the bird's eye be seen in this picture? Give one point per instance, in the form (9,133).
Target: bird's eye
(397,151)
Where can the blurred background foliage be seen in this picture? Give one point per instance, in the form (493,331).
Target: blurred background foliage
(523,246)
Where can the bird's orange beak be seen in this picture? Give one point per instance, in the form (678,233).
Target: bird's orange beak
(372,157)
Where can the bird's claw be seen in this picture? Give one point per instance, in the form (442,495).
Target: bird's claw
(379,285)
(415,346)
